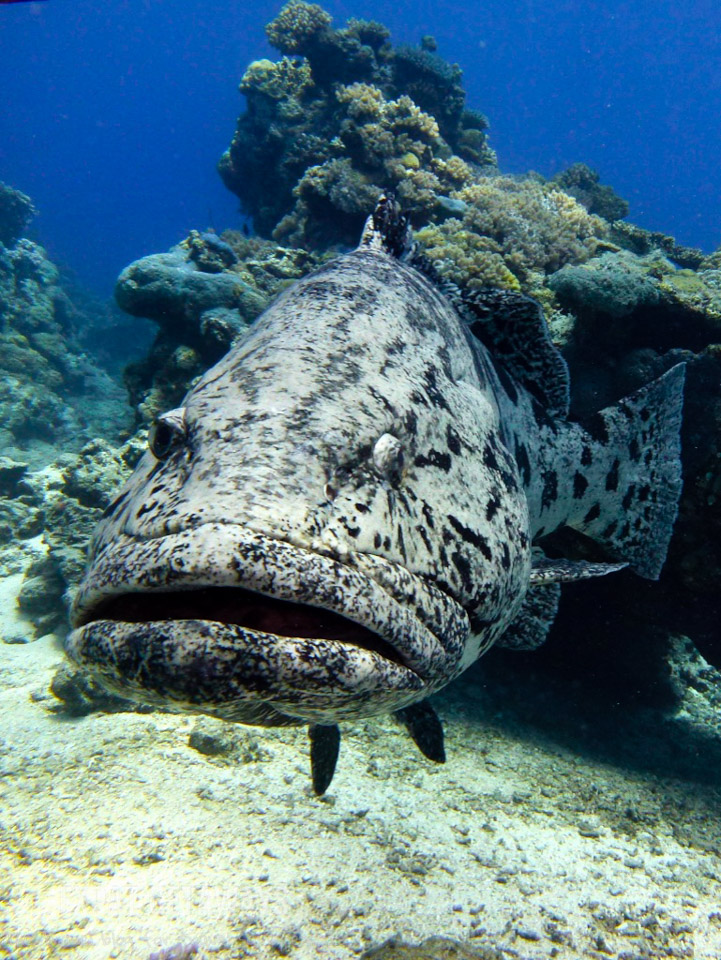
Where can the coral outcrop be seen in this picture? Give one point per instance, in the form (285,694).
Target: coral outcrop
(353,116)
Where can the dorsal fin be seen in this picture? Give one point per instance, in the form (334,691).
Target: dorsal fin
(387,229)
(512,326)
(514,329)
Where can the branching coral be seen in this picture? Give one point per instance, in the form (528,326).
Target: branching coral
(537,226)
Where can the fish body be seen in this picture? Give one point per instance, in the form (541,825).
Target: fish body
(343,515)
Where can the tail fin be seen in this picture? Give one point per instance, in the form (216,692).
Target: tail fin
(639,440)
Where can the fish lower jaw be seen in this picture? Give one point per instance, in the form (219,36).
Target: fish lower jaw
(222,619)
(249,676)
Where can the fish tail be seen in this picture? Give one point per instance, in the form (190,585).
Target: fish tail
(637,444)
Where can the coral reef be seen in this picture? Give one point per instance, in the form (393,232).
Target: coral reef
(324,135)
(51,393)
(67,498)
(511,232)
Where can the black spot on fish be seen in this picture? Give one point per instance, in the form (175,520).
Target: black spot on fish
(634,451)
(112,507)
(489,458)
(524,464)
(597,428)
(401,542)
(492,507)
(644,414)
(471,536)
(586,456)
(377,541)
(464,568)
(410,421)
(580,485)
(434,459)
(610,529)
(453,440)
(146,508)
(425,538)
(644,492)
(434,394)
(628,497)
(624,531)
(593,514)
(362,507)
(505,557)
(612,477)
(549,494)
(428,515)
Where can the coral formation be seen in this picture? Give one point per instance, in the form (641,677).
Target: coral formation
(51,393)
(16,212)
(324,135)
(583,183)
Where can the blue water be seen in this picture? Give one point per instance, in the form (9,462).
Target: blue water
(114,114)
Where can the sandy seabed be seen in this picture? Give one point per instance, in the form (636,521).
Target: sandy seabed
(118,839)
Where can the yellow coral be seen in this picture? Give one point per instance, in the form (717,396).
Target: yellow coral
(363,100)
(286,78)
(465,257)
(295,24)
(538,226)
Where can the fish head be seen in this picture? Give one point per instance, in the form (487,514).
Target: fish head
(330,526)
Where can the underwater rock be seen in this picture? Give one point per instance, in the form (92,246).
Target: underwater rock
(80,695)
(51,393)
(174,289)
(626,301)
(63,502)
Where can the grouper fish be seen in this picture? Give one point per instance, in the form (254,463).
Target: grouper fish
(349,508)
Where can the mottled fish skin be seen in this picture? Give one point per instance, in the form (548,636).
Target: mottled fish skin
(360,453)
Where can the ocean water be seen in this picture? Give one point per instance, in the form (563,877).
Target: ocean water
(577,813)
(114,116)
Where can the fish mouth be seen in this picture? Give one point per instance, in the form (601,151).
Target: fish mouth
(227,621)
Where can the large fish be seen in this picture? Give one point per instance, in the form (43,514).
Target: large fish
(343,515)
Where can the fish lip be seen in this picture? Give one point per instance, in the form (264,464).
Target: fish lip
(237,674)
(227,555)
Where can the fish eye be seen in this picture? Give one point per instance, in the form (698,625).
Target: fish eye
(167,433)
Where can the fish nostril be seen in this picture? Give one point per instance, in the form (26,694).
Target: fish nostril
(388,458)
(167,433)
